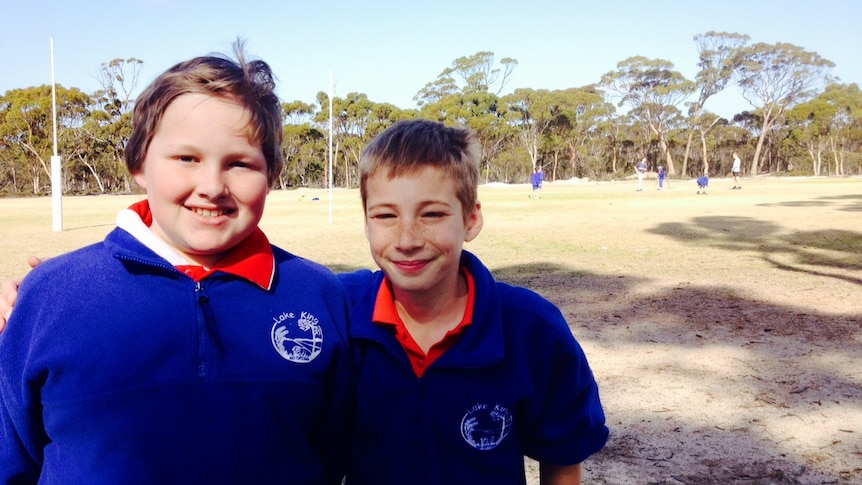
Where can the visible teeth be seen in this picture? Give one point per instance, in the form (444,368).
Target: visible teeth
(209,213)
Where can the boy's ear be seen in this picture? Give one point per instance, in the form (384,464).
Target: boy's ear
(474,222)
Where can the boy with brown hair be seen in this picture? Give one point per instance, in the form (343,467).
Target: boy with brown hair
(184,348)
(461,376)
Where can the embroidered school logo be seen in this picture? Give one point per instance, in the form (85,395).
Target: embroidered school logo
(484,426)
(297,338)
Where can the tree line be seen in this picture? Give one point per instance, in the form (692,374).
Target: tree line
(802,121)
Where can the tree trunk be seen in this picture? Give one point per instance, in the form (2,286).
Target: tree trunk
(815,158)
(837,155)
(95,174)
(688,150)
(703,148)
(667,155)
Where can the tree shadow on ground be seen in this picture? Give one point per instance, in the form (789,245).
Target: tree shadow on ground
(833,253)
(764,359)
(826,201)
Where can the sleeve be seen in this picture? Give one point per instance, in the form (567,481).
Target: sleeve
(18,466)
(23,436)
(569,421)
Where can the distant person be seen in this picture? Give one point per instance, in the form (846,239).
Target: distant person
(184,348)
(661,175)
(736,170)
(702,184)
(536,179)
(641,169)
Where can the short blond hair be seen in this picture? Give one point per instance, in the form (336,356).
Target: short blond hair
(410,145)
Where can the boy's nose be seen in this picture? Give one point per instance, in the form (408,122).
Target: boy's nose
(211,183)
(409,237)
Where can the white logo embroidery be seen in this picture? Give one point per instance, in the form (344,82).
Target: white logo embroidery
(484,426)
(297,339)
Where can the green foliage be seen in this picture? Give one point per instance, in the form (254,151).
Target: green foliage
(800,122)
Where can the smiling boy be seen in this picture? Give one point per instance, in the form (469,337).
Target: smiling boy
(184,348)
(460,376)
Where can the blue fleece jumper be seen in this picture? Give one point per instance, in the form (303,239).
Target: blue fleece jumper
(516,383)
(116,368)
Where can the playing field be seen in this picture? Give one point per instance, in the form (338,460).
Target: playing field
(724,329)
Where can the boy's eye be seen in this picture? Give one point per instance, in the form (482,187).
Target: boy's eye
(434,214)
(186,158)
(377,213)
(246,164)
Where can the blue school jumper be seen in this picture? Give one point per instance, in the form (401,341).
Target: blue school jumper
(117,368)
(516,383)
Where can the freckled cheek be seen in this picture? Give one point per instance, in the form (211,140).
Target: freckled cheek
(380,237)
(414,231)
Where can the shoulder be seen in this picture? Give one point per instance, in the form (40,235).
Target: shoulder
(71,269)
(361,285)
(287,261)
(522,310)
(533,311)
(298,275)
(360,277)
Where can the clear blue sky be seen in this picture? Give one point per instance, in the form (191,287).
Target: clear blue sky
(389,49)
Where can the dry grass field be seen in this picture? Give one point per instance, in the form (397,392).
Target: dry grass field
(724,329)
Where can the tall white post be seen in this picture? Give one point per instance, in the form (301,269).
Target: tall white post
(56,161)
(330,146)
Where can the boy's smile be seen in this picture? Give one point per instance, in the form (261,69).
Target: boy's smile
(416,230)
(206,181)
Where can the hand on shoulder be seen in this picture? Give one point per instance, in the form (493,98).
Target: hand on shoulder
(9,293)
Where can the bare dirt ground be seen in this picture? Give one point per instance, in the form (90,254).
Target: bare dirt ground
(741,364)
(725,330)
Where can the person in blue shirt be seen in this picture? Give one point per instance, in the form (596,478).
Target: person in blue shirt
(536,180)
(702,184)
(184,348)
(460,375)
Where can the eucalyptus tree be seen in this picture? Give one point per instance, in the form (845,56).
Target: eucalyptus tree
(717,54)
(583,113)
(774,77)
(845,134)
(302,138)
(119,80)
(809,124)
(305,150)
(26,125)
(532,113)
(348,129)
(100,142)
(555,123)
(652,90)
(824,127)
(481,112)
(355,120)
(468,74)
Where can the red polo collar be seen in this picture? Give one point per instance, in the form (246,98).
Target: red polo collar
(252,259)
(385,313)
